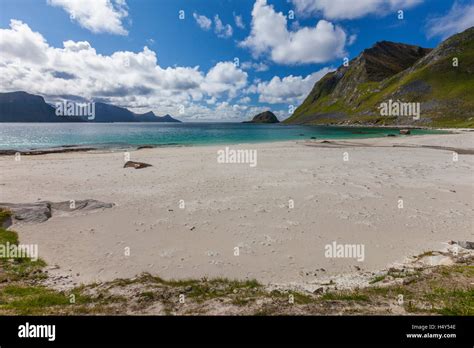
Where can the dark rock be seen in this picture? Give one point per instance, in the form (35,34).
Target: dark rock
(62,149)
(136,165)
(264,117)
(87,205)
(318,291)
(42,211)
(465,244)
(418,87)
(35,212)
(145,147)
(7,222)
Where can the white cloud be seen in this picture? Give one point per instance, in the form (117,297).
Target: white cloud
(222,30)
(239,22)
(351,39)
(269,34)
(21,43)
(245,100)
(221,111)
(74,46)
(99,16)
(459,18)
(224,77)
(203,22)
(290,89)
(259,67)
(124,78)
(211,101)
(343,9)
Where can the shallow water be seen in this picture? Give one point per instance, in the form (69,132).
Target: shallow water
(110,135)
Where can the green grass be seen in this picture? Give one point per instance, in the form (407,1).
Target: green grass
(148,296)
(21,267)
(31,299)
(39,300)
(377,279)
(443,290)
(448,302)
(345,296)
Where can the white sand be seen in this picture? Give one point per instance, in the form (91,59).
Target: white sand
(234,205)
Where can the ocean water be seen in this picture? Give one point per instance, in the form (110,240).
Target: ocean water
(123,135)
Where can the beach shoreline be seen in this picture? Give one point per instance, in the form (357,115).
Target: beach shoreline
(97,147)
(229,205)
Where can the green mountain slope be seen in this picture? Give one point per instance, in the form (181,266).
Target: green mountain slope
(397,72)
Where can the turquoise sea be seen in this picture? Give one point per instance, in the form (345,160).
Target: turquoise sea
(123,135)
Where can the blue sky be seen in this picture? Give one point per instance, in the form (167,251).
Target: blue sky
(189,66)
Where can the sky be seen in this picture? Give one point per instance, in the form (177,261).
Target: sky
(203,60)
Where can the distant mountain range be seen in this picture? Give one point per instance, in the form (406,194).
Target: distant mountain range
(441,80)
(25,107)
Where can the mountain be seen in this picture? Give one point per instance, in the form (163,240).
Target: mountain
(151,117)
(25,107)
(264,117)
(391,72)
(111,113)
(168,118)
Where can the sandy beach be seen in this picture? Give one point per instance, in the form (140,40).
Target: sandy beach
(280,214)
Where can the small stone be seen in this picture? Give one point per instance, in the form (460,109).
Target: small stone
(136,165)
(318,290)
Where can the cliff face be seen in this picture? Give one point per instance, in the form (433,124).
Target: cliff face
(398,72)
